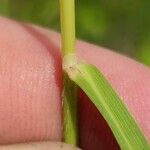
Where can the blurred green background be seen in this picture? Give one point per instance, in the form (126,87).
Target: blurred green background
(122,25)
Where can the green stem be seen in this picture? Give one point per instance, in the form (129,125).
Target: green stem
(67,11)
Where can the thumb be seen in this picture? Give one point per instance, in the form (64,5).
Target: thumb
(39,146)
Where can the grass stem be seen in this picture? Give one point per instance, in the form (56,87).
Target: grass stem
(67,12)
(67,15)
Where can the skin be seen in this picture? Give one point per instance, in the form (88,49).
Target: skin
(39,146)
(30,90)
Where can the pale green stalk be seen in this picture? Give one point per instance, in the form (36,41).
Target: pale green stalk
(67,11)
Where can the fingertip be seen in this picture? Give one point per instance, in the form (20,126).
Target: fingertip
(30,83)
(39,146)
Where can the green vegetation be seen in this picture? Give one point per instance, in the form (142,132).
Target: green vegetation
(119,25)
(94,84)
(100,92)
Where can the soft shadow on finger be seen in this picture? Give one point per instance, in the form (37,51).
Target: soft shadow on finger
(39,146)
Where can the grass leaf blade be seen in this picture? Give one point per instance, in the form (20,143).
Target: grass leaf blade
(121,122)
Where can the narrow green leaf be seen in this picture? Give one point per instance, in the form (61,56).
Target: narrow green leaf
(122,124)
